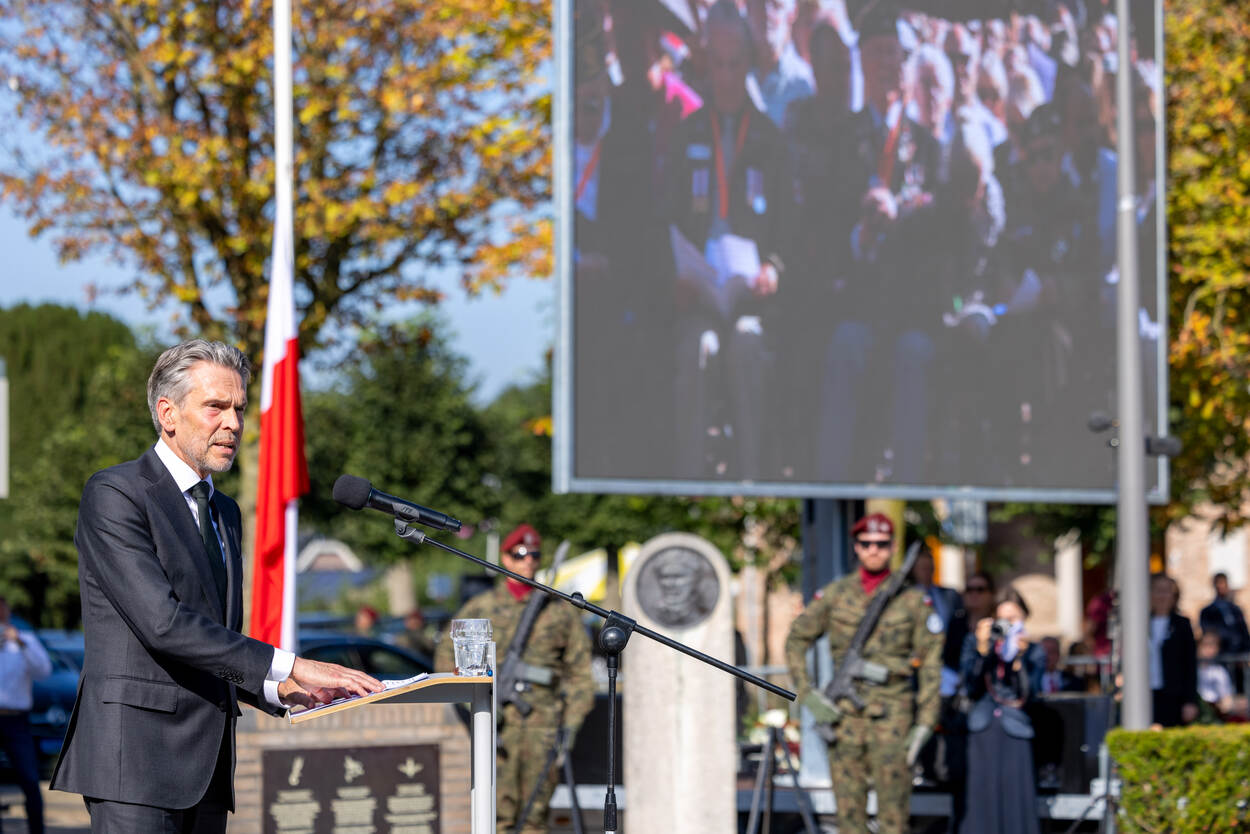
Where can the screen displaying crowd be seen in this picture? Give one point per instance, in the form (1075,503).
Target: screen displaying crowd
(838,242)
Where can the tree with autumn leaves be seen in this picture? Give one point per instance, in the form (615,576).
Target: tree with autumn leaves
(422,137)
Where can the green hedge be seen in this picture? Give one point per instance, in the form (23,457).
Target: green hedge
(1185,780)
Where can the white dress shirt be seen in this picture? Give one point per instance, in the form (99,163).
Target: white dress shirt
(21,664)
(185,477)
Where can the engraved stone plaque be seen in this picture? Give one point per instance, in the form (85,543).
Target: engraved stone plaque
(351,790)
(678,587)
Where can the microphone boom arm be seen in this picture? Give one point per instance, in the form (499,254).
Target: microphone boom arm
(412,534)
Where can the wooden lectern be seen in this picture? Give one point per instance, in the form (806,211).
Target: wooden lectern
(445,688)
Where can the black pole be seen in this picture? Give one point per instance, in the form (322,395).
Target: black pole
(612,640)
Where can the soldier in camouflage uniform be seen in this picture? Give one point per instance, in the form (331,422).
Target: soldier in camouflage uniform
(557,643)
(883,739)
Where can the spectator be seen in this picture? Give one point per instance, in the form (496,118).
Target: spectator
(781,75)
(1224,618)
(22,661)
(416,637)
(1215,685)
(965,58)
(1087,672)
(979,596)
(1173,657)
(366,622)
(949,616)
(728,201)
(1053,677)
(999,661)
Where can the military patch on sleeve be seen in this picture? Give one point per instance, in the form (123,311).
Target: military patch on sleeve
(934,623)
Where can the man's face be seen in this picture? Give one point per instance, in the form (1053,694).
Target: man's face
(1221,587)
(206,427)
(676,579)
(1043,162)
(977,595)
(1051,647)
(883,65)
(922,571)
(874,551)
(831,66)
(728,66)
(933,100)
(522,560)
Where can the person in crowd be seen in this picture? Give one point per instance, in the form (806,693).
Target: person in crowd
(619,293)
(932,84)
(965,57)
(1224,618)
(1053,677)
(558,688)
(826,187)
(1215,685)
(416,637)
(1173,657)
(160,573)
(780,73)
(999,661)
(943,759)
(23,661)
(979,591)
(365,622)
(863,363)
(880,742)
(1086,670)
(728,203)
(991,91)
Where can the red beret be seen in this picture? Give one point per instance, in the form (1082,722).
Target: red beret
(877,523)
(523,534)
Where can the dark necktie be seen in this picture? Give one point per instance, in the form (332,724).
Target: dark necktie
(200,493)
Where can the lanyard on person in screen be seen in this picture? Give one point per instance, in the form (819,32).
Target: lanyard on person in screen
(722,185)
(589,171)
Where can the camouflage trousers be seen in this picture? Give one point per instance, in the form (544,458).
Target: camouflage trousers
(871,748)
(522,755)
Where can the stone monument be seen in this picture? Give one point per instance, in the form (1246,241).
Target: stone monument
(680,729)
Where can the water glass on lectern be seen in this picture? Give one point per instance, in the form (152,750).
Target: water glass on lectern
(470,639)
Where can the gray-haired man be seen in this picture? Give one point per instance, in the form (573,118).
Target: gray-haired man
(150,745)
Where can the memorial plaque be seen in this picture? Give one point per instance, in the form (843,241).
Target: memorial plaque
(678,587)
(351,790)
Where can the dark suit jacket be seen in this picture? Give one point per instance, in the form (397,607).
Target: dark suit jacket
(1180,660)
(164,665)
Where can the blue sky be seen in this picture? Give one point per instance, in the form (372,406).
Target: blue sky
(504,336)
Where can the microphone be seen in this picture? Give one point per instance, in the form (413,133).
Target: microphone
(357,493)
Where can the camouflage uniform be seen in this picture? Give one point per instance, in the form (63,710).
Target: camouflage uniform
(873,741)
(559,643)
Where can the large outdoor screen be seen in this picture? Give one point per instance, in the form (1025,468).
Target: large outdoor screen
(848,248)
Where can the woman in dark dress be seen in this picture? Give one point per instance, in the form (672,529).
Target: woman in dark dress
(998,662)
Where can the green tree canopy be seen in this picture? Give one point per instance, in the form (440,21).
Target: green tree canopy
(78,403)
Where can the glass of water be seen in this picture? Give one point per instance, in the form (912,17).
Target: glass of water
(470,639)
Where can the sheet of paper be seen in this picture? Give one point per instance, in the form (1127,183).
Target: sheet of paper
(731,255)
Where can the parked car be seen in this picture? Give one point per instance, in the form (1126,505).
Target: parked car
(382,660)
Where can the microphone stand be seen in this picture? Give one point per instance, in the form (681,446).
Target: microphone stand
(613,638)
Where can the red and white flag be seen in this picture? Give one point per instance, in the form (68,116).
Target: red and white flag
(283,467)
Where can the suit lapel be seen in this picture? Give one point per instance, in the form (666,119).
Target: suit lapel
(173,504)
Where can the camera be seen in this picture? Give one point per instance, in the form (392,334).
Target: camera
(999,629)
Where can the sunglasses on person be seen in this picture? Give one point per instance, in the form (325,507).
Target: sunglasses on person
(526,554)
(868,544)
(977,589)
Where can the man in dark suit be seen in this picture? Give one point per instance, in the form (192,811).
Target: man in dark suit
(150,744)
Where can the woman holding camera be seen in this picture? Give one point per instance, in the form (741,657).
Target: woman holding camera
(998,662)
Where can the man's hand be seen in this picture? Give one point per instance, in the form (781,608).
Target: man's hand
(313,683)
(822,709)
(917,737)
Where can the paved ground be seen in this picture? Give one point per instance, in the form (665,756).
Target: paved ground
(63,813)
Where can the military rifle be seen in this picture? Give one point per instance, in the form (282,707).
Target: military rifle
(515,675)
(852,665)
